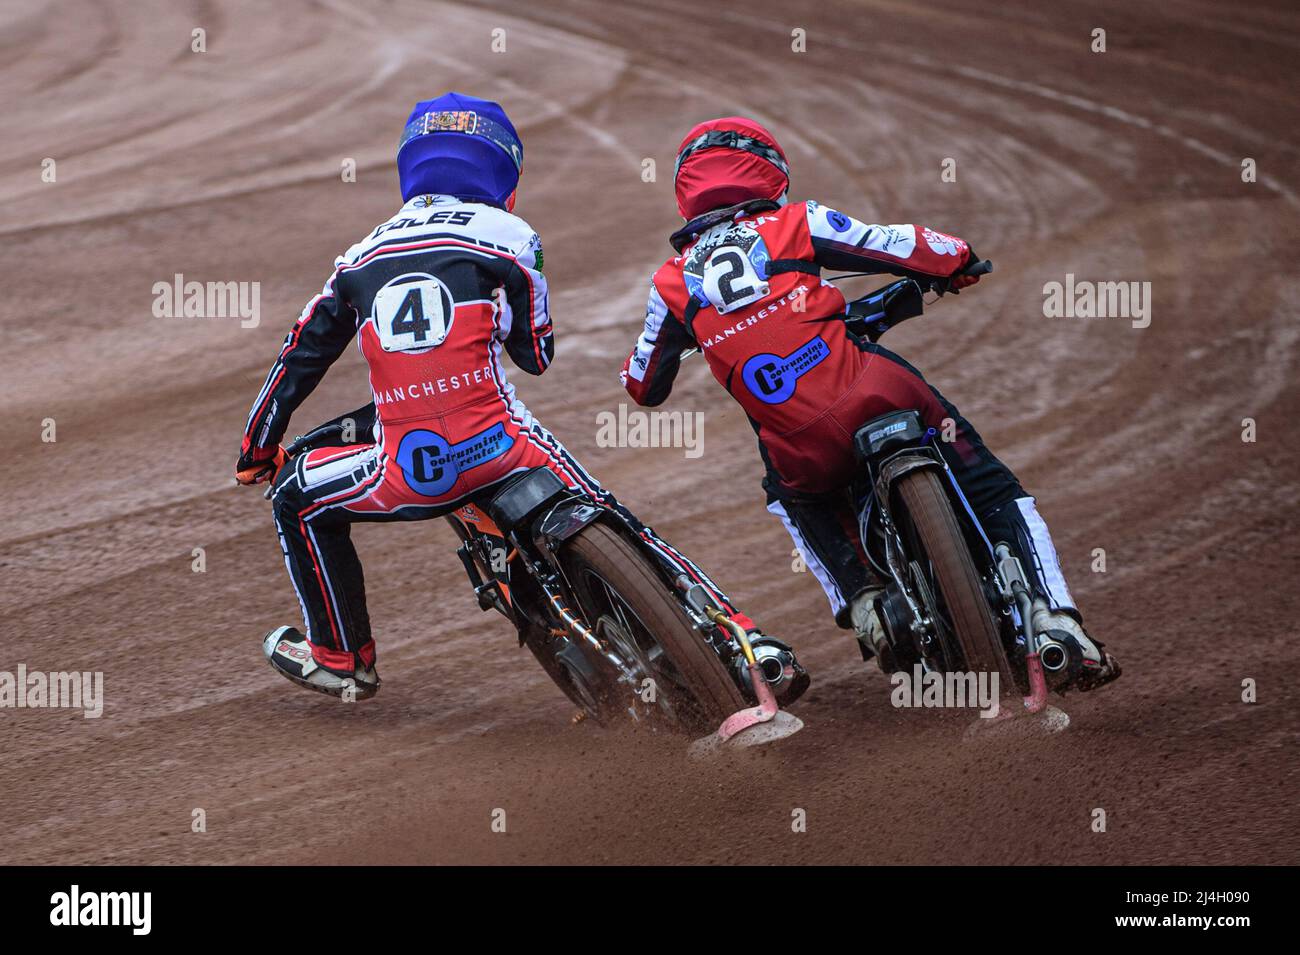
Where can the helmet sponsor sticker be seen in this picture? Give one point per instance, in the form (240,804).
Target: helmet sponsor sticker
(431,464)
(772,378)
(468,122)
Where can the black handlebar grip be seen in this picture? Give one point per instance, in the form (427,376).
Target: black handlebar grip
(311,437)
(978,267)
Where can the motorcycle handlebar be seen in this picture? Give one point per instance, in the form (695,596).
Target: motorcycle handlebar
(874,314)
(311,437)
(895,306)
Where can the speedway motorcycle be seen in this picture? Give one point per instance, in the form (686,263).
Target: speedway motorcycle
(954,600)
(617,633)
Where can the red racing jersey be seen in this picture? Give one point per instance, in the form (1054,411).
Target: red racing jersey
(747,290)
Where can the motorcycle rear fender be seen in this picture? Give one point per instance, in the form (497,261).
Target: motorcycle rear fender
(564,521)
(522,499)
(903,462)
(564,518)
(898,429)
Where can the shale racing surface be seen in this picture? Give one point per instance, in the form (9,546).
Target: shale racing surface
(225,166)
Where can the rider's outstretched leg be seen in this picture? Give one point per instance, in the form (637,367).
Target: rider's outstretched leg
(336,655)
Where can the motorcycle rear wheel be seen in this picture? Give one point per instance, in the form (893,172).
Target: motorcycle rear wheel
(618,589)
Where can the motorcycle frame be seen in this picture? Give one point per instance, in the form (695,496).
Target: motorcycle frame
(540,593)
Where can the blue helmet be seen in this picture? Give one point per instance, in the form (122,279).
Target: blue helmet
(461,146)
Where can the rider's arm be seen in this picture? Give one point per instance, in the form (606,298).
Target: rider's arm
(525,322)
(842,243)
(649,371)
(319,336)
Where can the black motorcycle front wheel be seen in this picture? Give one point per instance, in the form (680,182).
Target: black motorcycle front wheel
(959,604)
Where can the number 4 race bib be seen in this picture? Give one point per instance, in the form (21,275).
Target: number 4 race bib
(413,312)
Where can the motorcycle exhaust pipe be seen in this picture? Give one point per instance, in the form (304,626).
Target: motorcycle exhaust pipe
(1054,656)
(771,666)
(777,668)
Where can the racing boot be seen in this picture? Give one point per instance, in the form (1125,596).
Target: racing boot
(1081,663)
(870,631)
(289,654)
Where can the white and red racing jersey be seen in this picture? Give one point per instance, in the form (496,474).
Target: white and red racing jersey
(432,296)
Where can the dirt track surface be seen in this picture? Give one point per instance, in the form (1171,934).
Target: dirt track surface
(225,166)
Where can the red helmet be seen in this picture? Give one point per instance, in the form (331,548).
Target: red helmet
(726,161)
